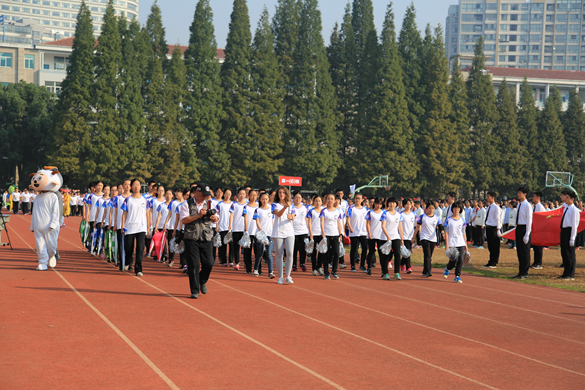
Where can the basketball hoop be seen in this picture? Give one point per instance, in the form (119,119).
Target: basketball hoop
(387,188)
(560,179)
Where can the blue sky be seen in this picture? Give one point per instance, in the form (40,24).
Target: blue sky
(178,15)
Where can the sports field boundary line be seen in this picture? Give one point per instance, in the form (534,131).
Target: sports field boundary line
(137,350)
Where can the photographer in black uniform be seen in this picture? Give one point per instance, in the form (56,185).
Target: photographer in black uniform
(197,215)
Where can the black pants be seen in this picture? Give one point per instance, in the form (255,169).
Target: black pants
(300,249)
(15,207)
(73,210)
(568,253)
(147,241)
(493,241)
(119,239)
(237,248)
(428,248)
(32,204)
(372,255)
(317,259)
(406,261)
(222,250)
(396,255)
(469,232)
(129,240)
(248,254)
(522,250)
(457,264)
(537,256)
(169,238)
(332,255)
(25,207)
(363,241)
(199,263)
(478,235)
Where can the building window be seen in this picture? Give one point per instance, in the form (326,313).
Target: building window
(477,27)
(561,28)
(560,49)
(547,58)
(548,49)
(490,27)
(60,63)
(489,48)
(504,7)
(535,38)
(562,18)
(512,48)
(53,86)
(29,61)
(502,58)
(574,28)
(16,9)
(56,13)
(488,6)
(55,4)
(559,59)
(550,7)
(504,17)
(561,39)
(572,60)
(66,5)
(45,12)
(503,27)
(512,58)
(535,17)
(536,27)
(5,60)
(36,11)
(471,7)
(5,7)
(490,37)
(573,39)
(535,58)
(522,48)
(513,27)
(524,27)
(559,68)
(514,17)
(535,47)
(574,17)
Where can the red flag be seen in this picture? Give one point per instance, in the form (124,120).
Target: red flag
(546,228)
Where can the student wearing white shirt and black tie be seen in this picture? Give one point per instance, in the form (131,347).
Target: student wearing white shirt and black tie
(523,231)
(537,208)
(492,230)
(569,227)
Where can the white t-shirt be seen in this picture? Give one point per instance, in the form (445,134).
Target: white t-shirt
(92,201)
(315,221)
(163,210)
(73,200)
(32,197)
(357,220)
(282,227)
(330,221)
(265,217)
(439,213)
(26,198)
(250,211)
(392,224)
(428,228)
(16,196)
(80,201)
(239,210)
(136,220)
(223,209)
(408,224)
(300,221)
(101,205)
(214,203)
(456,231)
(154,205)
(119,212)
(174,210)
(376,220)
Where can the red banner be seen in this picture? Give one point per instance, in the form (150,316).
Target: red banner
(546,228)
(290,181)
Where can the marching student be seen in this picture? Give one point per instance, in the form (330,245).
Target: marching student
(450,200)
(174,225)
(237,224)
(92,203)
(332,231)
(377,236)
(283,233)
(439,214)
(162,222)
(480,224)
(523,230)
(124,190)
(135,223)
(73,204)
(316,235)
(358,233)
(537,208)
(455,238)
(217,197)
(395,231)
(512,222)
(467,215)
(569,227)
(338,204)
(251,228)
(15,201)
(493,228)
(263,219)
(80,205)
(25,198)
(155,202)
(427,227)
(301,230)
(223,210)
(408,227)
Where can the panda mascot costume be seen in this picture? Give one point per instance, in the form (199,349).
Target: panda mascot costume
(47,215)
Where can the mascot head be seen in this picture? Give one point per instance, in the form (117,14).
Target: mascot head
(47,179)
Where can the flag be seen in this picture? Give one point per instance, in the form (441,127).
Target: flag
(351,189)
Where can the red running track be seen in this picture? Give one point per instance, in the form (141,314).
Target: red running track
(86,325)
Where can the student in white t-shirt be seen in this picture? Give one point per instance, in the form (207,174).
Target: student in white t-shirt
(332,231)
(263,219)
(238,223)
(15,201)
(135,224)
(455,237)
(162,222)
(358,234)
(173,225)
(427,226)
(251,228)
(315,234)
(25,202)
(283,233)
(124,192)
(223,225)
(408,227)
(395,231)
(154,205)
(377,236)
(301,230)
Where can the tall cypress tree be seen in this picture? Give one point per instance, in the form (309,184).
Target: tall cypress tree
(460,120)
(156,33)
(528,127)
(553,148)
(482,118)
(389,136)
(72,130)
(235,76)
(410,49)
(574,127)
(204,110)
(266,107)
(442,168)
(509,168)
(104,148)
(312,143)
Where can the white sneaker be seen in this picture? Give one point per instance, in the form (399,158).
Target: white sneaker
(315,273)
(321,271)
(389,265)
(280,281)
(342,266)
(289,280)
(42,267)
(52,262)
(256,272)
(140,274)
(231,264)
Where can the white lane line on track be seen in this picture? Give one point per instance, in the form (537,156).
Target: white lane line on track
(462,312)
(149,362)
(360,337)
(249,338)
(442,331)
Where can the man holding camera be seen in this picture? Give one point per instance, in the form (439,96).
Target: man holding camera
(198,216)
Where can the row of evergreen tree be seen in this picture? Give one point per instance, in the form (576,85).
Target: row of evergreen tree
(284,103)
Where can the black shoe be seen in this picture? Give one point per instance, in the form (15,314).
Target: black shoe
(203,288)
(562,266)
(369,272)
(428,275)
(521,277)
(536,266)
(565,278)
(486,266)
(195,296)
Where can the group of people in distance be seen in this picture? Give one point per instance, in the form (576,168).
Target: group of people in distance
(290,220)
(23,202)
